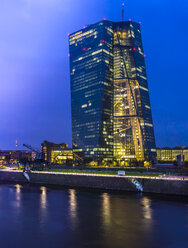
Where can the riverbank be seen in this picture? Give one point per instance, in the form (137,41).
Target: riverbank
(157,185)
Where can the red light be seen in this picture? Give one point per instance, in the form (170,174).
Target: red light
(123,4)
(144,55)
(69,55)
(84,49)
(68,34)
(84,27)
(139,22)
(129,20)
(104,19)
(103,41)
(134,49)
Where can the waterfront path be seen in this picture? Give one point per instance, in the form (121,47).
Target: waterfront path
(170,185)
(106,174)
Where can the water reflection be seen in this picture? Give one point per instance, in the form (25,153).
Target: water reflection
(43,202)
(106,209)
(43,197)
(18,189)
(73,207)
(52,217)
(18,195)
(147,208)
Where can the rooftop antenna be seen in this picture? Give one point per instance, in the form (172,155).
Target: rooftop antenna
(123,11)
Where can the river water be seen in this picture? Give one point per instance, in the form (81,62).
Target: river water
(34,216)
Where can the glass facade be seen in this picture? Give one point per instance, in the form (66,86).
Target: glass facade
(133,125)
(91,69)
(167,154)
(111,113)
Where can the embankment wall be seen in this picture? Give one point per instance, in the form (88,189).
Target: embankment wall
(159,186)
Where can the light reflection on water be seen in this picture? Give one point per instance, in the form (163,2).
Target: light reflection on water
(73,207)
(69,218)
(18,189)
(43,197)
(18,195)
(147,208)
(43,203)
(106,209)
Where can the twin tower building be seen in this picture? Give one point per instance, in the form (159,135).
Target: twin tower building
(111,111)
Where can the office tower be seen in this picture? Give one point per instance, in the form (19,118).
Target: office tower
(91,68)
(111,113)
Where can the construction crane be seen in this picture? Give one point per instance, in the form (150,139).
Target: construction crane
(31,148)
(77,157)
(38,153)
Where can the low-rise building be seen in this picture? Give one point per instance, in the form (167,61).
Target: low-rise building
(167,154)
(56,153)
(16,156)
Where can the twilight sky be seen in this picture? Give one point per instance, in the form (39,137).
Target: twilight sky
(34,66)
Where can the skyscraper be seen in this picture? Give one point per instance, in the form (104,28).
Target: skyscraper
(111,112)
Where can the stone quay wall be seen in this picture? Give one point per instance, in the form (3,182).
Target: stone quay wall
(158,186)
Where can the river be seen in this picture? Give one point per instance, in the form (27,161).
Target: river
(49,217)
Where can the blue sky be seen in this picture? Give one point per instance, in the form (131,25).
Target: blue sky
(34,66)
